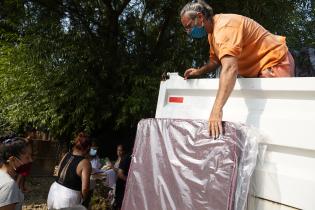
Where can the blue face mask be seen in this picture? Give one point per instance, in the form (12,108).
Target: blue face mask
(93,152)
(198,32)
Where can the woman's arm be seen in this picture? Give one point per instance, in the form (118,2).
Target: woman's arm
(86,170)
(121,175)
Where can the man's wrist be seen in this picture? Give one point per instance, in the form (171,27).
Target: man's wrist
(201,70)
(217,107)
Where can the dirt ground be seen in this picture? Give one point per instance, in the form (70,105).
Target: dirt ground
(38,191)
(36,198)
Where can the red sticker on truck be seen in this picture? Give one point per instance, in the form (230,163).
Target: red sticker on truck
(176,99)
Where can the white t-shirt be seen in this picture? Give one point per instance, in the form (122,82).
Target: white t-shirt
(10,192)
(96,164)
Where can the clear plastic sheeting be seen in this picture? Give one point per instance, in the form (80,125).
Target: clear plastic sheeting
(176,165)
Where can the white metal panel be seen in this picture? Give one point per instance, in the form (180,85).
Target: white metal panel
(283,109)
(258,203)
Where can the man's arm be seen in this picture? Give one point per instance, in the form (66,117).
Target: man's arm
(228,77)
(211,66)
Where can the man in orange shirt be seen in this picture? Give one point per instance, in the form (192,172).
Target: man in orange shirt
(240,45)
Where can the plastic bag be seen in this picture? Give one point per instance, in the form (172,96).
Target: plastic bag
(176,165)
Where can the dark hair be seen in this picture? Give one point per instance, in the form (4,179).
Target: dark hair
(192,8)
(94,142)
(82,142)
(122,147)
(12,147)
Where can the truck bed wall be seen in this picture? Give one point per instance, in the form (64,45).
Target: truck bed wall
(283,109)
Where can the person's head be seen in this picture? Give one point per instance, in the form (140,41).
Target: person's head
(93,149)
(16,154)
(196,18)
(82,143)
(120,150)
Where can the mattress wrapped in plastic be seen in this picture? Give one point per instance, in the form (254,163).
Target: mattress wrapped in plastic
(177,165)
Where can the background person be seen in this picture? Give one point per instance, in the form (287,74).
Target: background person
(96,165)
(21,179)
(72,184)
(15,159)
(122,173)
(94,159)
(120,151)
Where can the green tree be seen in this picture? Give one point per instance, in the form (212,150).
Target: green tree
(69,65)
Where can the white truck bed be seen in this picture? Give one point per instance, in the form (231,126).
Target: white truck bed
(283,109)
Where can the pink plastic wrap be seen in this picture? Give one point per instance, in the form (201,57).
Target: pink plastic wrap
(176,165)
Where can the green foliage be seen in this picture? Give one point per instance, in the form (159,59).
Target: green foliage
(77,65)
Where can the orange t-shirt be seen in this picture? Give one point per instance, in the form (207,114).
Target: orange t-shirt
(255,47)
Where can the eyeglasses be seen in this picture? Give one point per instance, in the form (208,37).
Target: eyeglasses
(188,27)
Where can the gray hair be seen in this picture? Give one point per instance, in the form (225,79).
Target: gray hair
(192,8)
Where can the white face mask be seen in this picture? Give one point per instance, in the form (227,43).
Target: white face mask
(93,152)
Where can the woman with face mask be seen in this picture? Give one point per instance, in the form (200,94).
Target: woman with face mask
(96,165)
(94,159)
(71,187)
(15,159)
(240,46)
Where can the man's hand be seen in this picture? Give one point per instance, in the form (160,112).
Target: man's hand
(227,81)
(211,66)
(215,123)
(191,72)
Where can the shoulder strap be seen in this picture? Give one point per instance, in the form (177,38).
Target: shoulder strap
(61,161)
(62,175)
